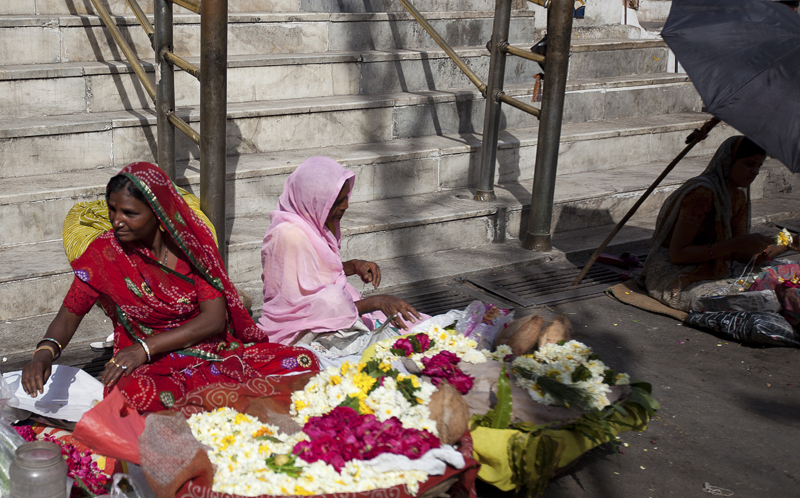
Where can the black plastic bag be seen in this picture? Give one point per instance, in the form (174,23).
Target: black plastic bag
(753,327)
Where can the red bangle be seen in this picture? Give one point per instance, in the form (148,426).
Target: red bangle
(764,252)
(711,251)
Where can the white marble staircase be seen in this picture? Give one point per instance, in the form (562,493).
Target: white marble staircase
(368,88)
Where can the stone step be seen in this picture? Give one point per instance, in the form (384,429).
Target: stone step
(46,145)
(36,205)
(29,90)
(34,277)
(653,10)
(75,38)
(44,7)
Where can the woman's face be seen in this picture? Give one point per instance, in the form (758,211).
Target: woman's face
(340,205)
(746,169)
(131,218)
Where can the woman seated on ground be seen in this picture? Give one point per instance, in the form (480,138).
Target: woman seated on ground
(307,299)
(703,230)
(178,321)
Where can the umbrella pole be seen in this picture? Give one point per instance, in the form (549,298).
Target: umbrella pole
(692,140)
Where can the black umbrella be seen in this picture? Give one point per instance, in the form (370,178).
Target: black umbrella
(743,57)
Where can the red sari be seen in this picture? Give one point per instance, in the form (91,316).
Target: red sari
(144,298)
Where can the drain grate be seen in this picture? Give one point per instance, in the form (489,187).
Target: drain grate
(440,299)
(535,286)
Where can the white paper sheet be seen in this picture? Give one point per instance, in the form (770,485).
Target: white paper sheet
(68,394)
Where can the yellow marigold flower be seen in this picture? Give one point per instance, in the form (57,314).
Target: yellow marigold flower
(385,366)
(364,382)
(241,417)
(264,450)
(227,441)
(298,490)
(336,380)
(263,431)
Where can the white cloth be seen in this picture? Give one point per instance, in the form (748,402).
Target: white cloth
(434,462)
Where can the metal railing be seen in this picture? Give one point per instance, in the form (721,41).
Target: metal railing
(555,62)
(212,74)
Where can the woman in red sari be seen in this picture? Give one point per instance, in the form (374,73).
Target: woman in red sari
(178,321)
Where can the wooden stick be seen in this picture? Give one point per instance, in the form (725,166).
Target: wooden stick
(692,140)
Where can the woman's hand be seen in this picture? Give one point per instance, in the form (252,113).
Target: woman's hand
(752,243)
(123,363)
(368,271)
(390,306)
(36,373)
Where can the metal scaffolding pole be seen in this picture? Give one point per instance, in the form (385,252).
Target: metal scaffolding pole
(165,86)
(213,114)
(559,32)
(491,120)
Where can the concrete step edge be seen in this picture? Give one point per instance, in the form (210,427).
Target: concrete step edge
(92,182)
(103,121)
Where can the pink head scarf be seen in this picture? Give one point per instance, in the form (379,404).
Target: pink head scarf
(305,287)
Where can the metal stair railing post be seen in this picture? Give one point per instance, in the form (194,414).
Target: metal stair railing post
(213,114)
(559,33)
(491,118)
(165,87)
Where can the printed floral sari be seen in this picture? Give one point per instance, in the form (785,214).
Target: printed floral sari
(144,298)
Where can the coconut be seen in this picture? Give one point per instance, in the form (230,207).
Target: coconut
(512,329)
(450,412)
(558,330)
(525,334)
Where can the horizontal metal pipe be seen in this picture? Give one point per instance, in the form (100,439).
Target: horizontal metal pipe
(543,3)
(525,54)
(126,49)
(445,46)
(183,64)
(193,5)
(140,15)
(522,106)
(184,127)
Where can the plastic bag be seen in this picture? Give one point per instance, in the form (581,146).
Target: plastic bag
(135,478)
(9,439)
(484,322)
(747,326)
(112,428)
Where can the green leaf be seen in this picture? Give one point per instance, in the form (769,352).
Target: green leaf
(350,402)
(581,373)
(267,438)
(504,404)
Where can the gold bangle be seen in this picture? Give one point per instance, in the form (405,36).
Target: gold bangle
(49,348)
(146,349)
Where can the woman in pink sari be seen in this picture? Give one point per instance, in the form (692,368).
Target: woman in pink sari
(306,295)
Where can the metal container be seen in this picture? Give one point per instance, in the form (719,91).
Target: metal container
(38,471)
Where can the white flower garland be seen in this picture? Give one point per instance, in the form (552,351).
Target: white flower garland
(240,468)
(443,340)
(328,389)
(559,362)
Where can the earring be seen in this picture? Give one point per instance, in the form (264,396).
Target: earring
(161,227)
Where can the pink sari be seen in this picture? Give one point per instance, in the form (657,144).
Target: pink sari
(305,287)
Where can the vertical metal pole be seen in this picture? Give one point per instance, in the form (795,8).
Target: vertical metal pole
(559,32)
(213,114)
(491,120)
(165,87)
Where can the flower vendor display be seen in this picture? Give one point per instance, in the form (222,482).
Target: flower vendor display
(350,415)
(566,378)
(427,345)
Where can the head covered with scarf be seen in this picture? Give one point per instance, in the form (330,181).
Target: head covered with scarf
(305,287)
(113,267)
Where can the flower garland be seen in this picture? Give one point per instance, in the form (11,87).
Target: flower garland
(572,364)
(372,388)
(443,367)
(80,466)
(252,459)
(783,238)
(438,339)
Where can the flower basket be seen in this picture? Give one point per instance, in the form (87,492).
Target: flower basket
(270,397)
